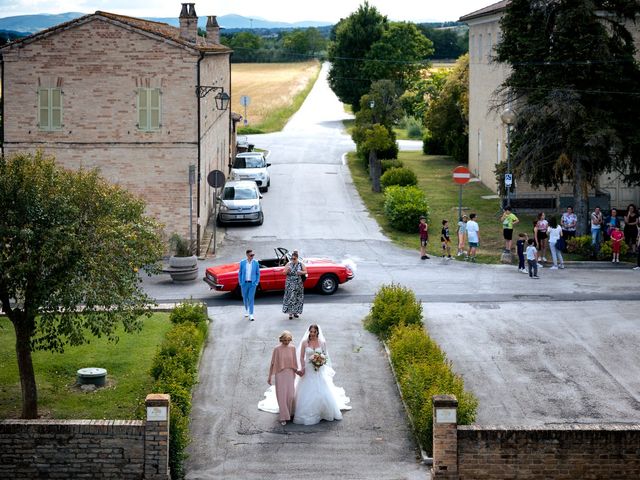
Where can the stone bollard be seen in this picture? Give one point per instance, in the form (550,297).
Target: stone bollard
(156,437)
(445,438)
(506,257)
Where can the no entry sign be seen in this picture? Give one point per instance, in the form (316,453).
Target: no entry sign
(461,175)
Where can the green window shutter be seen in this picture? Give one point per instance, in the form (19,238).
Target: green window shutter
(154,108)
(43,108)
(149,109)
(56,108)
(143,124)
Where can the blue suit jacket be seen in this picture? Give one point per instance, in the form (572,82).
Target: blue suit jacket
(255,271)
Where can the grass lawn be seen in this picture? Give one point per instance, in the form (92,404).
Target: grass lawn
(435,178)
(276,91)
(127,363)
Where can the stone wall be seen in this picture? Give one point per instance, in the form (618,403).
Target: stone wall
(95,449)
(585,452)
(559,452)
(71,449)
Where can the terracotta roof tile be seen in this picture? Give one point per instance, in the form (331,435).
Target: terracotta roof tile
(161,29)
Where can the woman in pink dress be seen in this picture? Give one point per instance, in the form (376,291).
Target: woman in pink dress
(284,368)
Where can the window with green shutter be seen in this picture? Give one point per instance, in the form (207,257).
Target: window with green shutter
(149,111)
(50,108)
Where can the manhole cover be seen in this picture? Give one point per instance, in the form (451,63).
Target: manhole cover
(92,376)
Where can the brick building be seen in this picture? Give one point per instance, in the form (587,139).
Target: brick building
(130,97)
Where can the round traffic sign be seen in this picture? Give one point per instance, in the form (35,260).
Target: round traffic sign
(461,175)
(216,178)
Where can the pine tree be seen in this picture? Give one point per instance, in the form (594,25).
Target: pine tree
(574,85)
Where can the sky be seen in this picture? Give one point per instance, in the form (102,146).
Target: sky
(275,10)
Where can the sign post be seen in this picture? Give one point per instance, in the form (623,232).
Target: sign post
(245,100)
(461,175)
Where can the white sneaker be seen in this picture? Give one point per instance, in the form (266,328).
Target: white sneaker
(246,313)
(613,260)
(544,259)
(251,317)
(562,266)
(523,270)
(540,265)
(636,268)
(554,268)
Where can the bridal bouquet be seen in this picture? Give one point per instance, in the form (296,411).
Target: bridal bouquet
(317,360)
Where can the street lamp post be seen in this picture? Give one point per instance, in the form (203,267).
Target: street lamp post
(508,117)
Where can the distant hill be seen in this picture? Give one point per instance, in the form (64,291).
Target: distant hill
(29,24)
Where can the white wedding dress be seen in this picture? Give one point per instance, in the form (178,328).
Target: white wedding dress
(317,398)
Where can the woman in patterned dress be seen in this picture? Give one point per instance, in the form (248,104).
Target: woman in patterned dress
(294,287)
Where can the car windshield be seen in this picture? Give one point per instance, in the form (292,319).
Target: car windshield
(248,162)
(239,193)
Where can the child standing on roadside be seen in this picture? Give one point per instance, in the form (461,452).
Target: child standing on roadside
(616,240)
(532,255)
(423,228)
(445,239)
(462,231)
(520,246)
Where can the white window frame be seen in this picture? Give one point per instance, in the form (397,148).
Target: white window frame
(46,124)
(147,111)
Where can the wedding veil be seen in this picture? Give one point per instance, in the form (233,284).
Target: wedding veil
(321,340)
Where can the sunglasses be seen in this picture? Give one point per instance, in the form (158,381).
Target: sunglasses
(252,254)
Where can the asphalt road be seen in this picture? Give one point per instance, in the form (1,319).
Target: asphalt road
(560,349)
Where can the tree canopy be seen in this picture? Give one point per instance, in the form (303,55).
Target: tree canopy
(447,115)
(70,249)
(574,85)
(352,40)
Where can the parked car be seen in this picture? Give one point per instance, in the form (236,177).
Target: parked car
(323,274)
(240,203)
(252,166)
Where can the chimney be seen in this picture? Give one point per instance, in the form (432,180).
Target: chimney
(188,22)
(213,30)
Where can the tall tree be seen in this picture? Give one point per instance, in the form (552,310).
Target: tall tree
(70,249)
(447,115)
(574,85)
(352,40)
(400,55)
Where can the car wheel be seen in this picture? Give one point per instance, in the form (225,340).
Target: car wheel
(269,183)
(260,222)
(264,189)
(328,284)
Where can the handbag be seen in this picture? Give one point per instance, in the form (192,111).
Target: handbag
(303,277)
(561,244)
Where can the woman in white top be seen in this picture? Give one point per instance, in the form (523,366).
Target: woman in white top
(555,232)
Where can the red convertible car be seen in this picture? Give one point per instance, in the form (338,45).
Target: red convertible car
(322,274)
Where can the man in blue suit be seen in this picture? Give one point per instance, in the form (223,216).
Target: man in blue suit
(249,278)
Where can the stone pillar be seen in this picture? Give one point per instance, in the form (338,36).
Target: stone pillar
(445,438)
(156,437)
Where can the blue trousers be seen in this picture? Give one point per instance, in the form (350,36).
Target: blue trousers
(248,293)
(595,239)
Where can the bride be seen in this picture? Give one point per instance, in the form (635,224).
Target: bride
(317,398)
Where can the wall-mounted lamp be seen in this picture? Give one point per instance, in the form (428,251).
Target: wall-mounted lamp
(222,98)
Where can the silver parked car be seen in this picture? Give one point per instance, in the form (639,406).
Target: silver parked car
(252,166)
(240,203)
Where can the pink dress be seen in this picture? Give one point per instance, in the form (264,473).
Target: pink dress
(284,366)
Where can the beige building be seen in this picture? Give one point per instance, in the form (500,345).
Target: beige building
(487,132)
(142,101)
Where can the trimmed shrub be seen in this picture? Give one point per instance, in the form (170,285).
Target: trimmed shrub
(403,207)
(393,305)
(398,176)
(431,145)
(580,246)
(175,370)
(424,371)
(606,250)
(387,164)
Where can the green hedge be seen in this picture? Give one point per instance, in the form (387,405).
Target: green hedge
(387,164)
(582,246)
(424,371)
(421,367)
(175,371)
(403,207)
(398,176)
(393,305)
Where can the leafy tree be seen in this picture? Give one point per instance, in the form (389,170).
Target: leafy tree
(400,55)
(70,248)
(372,139)
(447,117)
(574,85)
(304,43)
(414,101)
(352,40)
(448,43)
(246,46)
